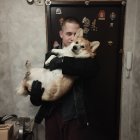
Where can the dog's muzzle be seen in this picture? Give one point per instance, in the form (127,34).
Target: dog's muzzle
(75,49)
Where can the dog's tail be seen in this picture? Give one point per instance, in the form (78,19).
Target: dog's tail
(28,67)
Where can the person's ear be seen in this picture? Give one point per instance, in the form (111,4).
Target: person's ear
(61,33)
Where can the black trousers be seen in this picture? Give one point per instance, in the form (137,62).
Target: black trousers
(58,129)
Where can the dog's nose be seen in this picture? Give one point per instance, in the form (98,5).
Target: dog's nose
(74,47)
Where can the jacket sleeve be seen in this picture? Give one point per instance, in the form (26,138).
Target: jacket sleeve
(35,100)
(80,66)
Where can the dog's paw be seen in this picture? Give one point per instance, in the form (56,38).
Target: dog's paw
(27,74)
(53,50)
(28,64)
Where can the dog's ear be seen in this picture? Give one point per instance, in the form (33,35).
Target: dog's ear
(94,45)
(79,33)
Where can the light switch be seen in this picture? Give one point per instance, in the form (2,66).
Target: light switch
(128,63)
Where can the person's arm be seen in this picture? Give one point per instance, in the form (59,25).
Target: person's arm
(80,66)
(75,66)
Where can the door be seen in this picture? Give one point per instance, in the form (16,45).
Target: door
(102,21)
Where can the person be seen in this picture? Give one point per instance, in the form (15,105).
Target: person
(71,117)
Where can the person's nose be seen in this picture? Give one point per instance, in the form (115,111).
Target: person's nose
(72,37)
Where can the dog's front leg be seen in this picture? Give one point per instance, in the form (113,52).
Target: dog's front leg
(59,52)
(49,59)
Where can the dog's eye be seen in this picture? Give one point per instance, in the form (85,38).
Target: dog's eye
(76,42)
(82,46)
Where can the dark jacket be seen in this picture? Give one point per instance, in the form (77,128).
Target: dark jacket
(83,88)
(80,95)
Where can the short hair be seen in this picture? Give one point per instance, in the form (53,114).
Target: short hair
(70,20)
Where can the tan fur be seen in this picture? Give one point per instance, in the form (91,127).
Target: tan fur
(54,82)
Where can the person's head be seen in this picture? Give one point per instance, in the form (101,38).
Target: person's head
(68,30)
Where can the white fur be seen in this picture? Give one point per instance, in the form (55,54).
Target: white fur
(55,83)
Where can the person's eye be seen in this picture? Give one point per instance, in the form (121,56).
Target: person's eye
(68,33)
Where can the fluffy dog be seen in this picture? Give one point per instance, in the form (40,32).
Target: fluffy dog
(54,82)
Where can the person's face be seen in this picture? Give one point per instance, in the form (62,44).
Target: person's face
(68,32)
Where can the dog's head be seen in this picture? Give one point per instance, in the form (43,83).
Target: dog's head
(81,47)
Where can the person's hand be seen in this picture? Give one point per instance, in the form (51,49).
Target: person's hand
(36,93)
(56,63)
